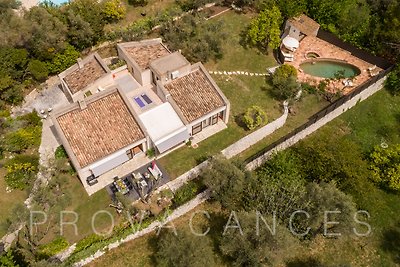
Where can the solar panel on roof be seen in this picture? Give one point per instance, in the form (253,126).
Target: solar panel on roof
(146,98)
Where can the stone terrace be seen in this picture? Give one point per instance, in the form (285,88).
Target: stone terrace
(327,50)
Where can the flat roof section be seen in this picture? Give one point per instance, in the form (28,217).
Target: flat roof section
(105,126)
(195,95)
(161,121)
(164,127)
(170,62)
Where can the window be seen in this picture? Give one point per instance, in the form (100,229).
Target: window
(214,119)
(129,153)
(206,122)
(88,93)
(196,129)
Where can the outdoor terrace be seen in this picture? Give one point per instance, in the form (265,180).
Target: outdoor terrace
(326,50)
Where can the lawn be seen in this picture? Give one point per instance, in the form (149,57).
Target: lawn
(379,249)
(85,207)
(368,124)
(242,92)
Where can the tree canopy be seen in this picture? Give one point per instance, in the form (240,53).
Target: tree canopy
(264,30)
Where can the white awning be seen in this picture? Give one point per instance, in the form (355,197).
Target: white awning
(109,163)
(290,42)
(164,127)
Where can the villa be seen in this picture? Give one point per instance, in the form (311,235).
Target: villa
(157,101)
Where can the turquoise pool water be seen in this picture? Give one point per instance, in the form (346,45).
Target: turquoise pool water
(326,68)
(57,2)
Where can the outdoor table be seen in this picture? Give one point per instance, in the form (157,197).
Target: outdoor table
(121,186)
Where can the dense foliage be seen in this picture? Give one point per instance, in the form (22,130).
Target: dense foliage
(197,40)
(284,83)
(247,247)
(385,166)
(371,25)
(392,82)
(264,31)
(254,117)
(46,39)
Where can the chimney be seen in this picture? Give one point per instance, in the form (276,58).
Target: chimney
(80,63)
(82,104)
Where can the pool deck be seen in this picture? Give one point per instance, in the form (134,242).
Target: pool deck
(330,51)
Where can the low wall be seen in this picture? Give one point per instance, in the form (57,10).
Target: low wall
(256,136)
(364,94)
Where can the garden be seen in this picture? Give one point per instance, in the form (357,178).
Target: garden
(338,161)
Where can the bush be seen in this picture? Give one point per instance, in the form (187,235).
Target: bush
(151,152)
(385,166)
(284,82)
(87,242)
(52,248)
(392,83)
(60,153)
(38,70)
(285,71)
(22,139)
(254,117)
(21,171)
(32,119)
(187,192)
(63,60)
(113,10)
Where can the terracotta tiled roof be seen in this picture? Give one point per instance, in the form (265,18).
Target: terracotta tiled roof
(305,24)
(103,127)
(195,95)
(144,54)
(82,77)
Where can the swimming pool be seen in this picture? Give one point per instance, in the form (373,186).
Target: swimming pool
(56,2)
(327,68)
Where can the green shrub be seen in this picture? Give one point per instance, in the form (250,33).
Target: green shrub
(21,171)
(52,248)
(187,192)
(392,82)
(64,60)
(22,139)
(32,119)
(38,70)
(151,152)
(88,242)
(254,117)
(60,153)
(385,166)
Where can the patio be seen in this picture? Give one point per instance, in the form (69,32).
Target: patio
(209,131)
(139,188)
(323,49)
